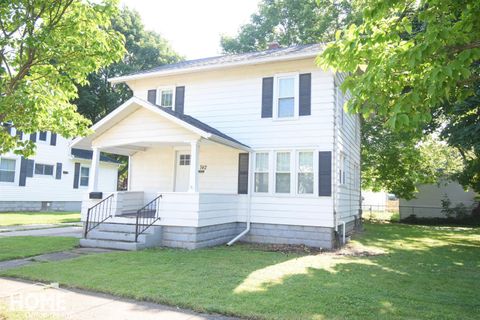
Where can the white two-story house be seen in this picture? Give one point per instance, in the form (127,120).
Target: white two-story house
(253,147)
(54,179)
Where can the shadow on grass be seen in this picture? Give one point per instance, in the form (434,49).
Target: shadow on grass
(426,273)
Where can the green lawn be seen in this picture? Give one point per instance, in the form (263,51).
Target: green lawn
(23,247)
(21,218)
(425,273)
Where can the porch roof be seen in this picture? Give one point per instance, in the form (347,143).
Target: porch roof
(188,122)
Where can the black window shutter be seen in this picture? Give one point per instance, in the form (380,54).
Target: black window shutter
(30,167)
(325,173)
(33,137)
(19,134)
(152,96)
(22,179)
(9,129)
(243,173)
(76,176)
(58,173)
(267,97)
(305,94)
(179,99)
(53,139)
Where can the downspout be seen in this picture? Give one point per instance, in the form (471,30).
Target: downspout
(249,202)
(334,147)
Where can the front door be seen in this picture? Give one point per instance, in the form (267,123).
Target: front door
(182,171)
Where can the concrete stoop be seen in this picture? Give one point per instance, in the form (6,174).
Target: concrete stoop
(121,237)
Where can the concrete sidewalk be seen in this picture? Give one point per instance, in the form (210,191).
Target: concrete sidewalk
(83,305)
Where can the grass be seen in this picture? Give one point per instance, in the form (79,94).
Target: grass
(24,247)
(22,218)
(425,273)
(9,314)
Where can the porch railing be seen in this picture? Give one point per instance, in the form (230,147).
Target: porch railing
(98,214)
(146,217)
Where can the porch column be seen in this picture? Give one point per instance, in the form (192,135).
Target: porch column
(193,181)
(93,180)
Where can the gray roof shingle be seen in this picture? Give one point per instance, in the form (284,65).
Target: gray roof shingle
(225,59)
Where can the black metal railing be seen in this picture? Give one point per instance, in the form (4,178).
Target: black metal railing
(98,214)
(146,217)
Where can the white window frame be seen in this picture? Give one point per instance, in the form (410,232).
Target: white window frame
(340,101)
(356,176)
(159,95)
(15,172)
(37,175)
(269,175)
(80,176)
(275,171)
(276,86)
(314,171)
(46,137)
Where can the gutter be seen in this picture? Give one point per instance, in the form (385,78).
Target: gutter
(249,203)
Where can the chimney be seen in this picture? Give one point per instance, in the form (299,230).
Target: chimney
(273,45)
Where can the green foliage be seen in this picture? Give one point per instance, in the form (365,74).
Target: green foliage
(46,47)
(290,22)
(399,161)
(459,211)
(145,49)
(408,58)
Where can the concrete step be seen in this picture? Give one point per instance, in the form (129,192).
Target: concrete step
(111,244)
(115,235)
(116,227)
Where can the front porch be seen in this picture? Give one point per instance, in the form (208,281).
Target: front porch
(181,174)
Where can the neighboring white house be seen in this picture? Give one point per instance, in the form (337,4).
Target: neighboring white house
(428,200)
(55,178)
(255,144)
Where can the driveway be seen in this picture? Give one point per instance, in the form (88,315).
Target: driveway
(70,231)
(82,305)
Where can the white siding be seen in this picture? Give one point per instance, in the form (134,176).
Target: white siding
(47,188)
(143,126)
(347,143)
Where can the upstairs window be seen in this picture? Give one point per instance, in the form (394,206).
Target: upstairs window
(42,136)
(7,170)
(166,97)
(342,168)
(286,96)
(261,172)
(43,169)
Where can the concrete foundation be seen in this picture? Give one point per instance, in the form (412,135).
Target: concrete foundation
(14,206)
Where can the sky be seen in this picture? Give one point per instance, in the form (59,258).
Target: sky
(193,27)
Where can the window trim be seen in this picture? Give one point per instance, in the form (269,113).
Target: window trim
(40,140)
(38,175)
(275,171)
(159,95)
(14,172)
(267,172)
(342,179)
(80,176)
(296,95)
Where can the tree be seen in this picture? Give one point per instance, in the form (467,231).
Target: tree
(46,47)
(290,22)
(409,60)
(145,49)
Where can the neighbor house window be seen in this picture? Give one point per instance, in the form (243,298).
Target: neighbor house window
(286,97)
(356,176)
(282,172)
(166,97)
(7,170)
(42,136)
(261,172)
(43,169)
(84,174)
(305,175)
